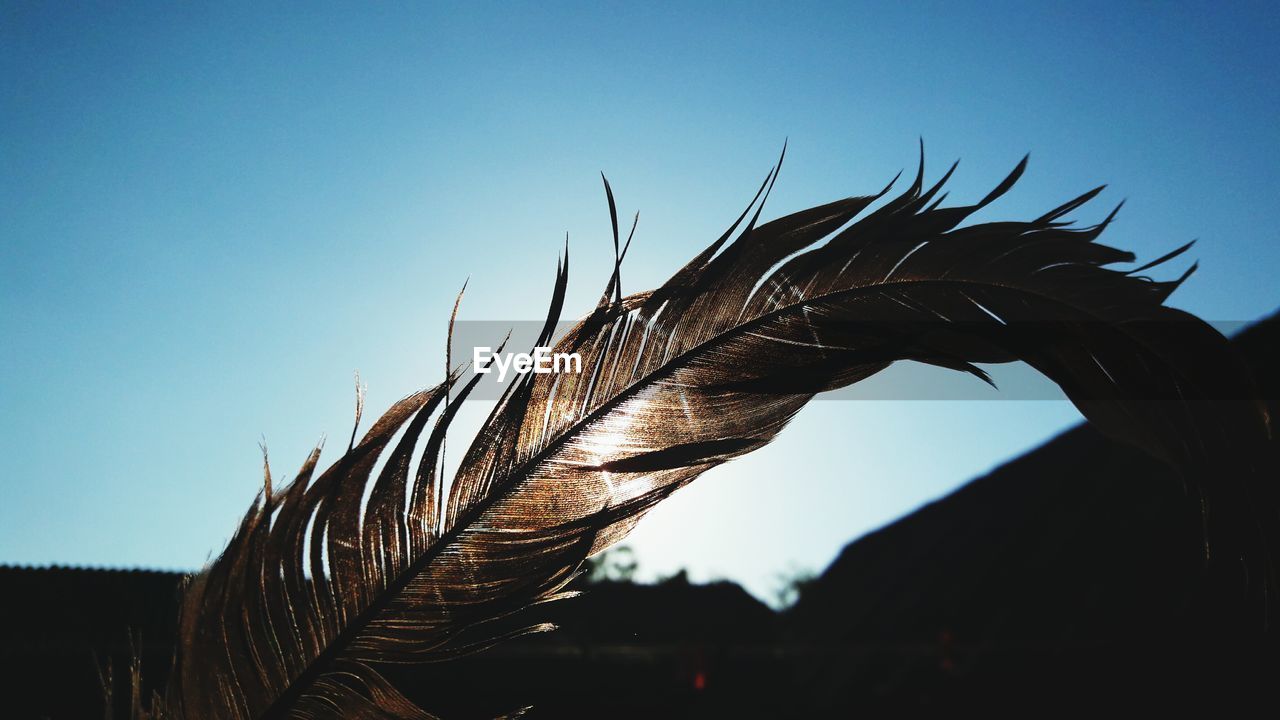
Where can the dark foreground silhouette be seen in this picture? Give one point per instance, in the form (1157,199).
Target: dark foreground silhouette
(1072,577)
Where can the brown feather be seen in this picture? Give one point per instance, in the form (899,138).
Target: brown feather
(316,589)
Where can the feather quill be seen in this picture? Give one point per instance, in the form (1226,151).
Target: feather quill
(319,587)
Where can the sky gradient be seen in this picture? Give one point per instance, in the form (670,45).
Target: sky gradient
(213,216)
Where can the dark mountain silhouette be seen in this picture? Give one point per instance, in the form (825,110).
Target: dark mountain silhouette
(1072,577)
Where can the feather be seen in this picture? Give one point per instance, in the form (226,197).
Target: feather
(320,587)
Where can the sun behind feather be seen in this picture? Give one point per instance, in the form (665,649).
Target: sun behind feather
(319,586)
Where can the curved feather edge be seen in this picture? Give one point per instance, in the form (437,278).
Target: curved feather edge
(318,587)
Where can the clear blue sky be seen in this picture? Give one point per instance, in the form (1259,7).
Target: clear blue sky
(211,217)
